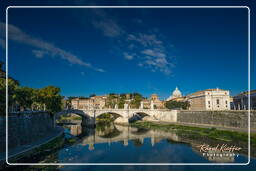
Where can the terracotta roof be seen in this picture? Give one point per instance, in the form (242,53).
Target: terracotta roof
(212,89)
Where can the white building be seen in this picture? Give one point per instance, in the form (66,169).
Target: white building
(210,99)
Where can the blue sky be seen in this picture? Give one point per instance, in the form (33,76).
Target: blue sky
(85,51)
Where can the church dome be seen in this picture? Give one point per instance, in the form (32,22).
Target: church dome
(176,93)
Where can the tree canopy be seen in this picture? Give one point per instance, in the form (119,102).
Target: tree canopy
(47,98)
(177,105)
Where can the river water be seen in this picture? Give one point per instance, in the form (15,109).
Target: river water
(125,144)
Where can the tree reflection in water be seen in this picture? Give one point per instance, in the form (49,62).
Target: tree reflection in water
(108,132)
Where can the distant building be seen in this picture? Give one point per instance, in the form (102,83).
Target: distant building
(210,99)
(95,102)
(231,103)
(99,102)
(146,103)
(80,103)
(240,101)
(176,96)
(156,101)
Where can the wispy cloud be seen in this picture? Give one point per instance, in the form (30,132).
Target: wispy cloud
(151,51)
(39,53)
(43,47)
(147,48)
(145,39)
(154,53)
(128,56)
(106,24)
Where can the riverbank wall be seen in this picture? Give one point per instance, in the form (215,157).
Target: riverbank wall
(229,118)
(26,130)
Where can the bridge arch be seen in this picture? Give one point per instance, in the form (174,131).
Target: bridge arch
(138,116)
(113,115)
(72,111)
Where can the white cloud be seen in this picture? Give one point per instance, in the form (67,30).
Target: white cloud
(128,56)
(148,48)
(145,39)
(108,27)
(39,53)
(153,53)
(106,24)
(17,35)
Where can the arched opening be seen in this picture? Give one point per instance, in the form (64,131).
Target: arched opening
(105,126)
(138,116)
(71,121)
(69,117)
(107,117)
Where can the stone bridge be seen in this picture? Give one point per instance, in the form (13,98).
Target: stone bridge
(123,115)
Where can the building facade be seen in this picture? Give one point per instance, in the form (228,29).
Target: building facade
(99,102)
(156,101)
(240,101)
(95,102)
(210,99)
(152,102)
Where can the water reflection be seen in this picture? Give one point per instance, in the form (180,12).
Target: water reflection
(140,145)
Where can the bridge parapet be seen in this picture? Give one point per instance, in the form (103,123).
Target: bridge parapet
(125,114)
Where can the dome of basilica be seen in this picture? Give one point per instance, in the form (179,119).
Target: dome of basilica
(175,94)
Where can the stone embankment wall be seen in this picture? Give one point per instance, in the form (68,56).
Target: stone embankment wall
(25,128)
(229,118)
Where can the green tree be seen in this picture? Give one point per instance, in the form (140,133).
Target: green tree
(12,86)
(51,98)
(112,100)
(24,97)
(92,95)
(177,105)
(136,99)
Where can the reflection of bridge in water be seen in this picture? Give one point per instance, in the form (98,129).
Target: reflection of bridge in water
(127,133)
(124,134)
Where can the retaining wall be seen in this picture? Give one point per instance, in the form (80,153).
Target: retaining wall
(25,128)
(229,118)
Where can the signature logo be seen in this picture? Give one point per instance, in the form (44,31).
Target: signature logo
(220,152)
(219,148)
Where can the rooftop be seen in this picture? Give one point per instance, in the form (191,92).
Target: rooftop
(201,91)
(246,93)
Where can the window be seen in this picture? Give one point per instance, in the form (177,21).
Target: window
(209,102)
(218,101)
(209,106)
(226,102)
(226,106)
(218,106)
